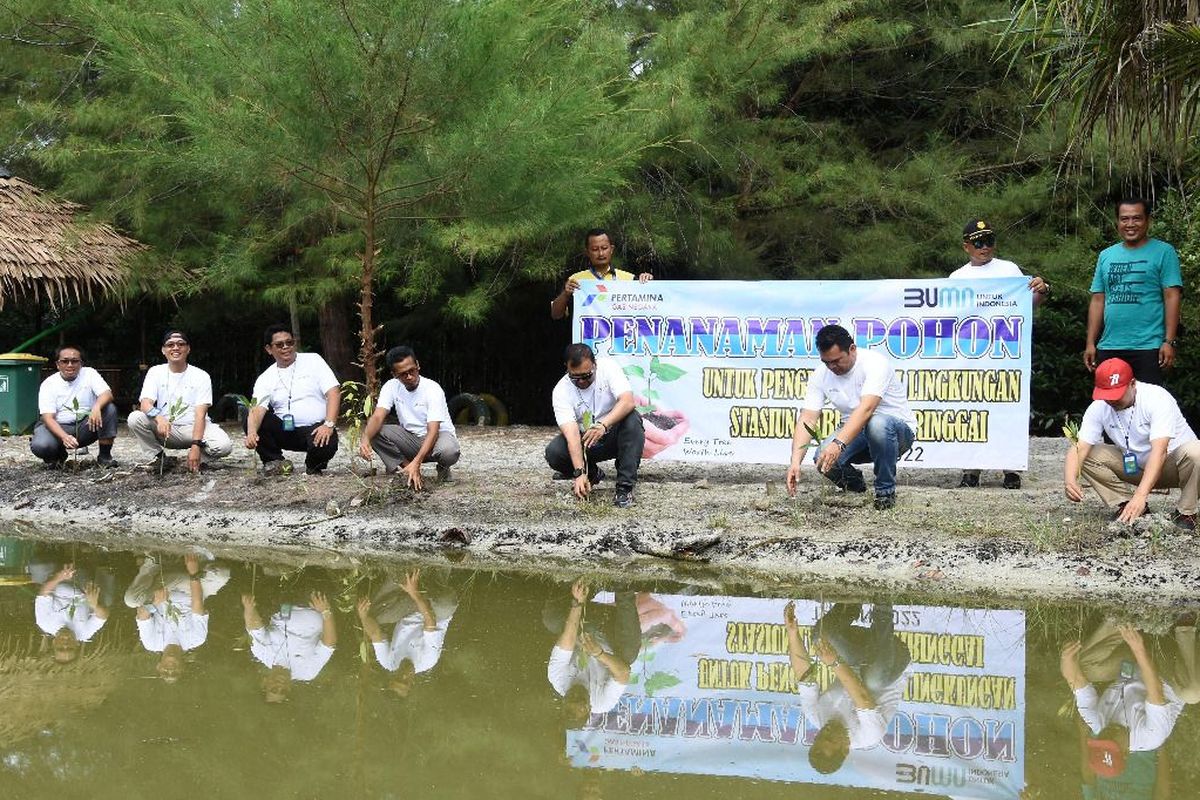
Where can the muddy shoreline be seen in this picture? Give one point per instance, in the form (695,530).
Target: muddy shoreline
(714,522)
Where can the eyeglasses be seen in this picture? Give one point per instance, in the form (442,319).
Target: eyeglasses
(174,345)
(284,345)
(581,377)
(70,361)
(982,241)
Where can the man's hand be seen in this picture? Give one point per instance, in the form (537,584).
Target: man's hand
(69,441)
(789,615)
(590,646)
(579,591)
(95,419)
(1073,491)
(66,573)
(826,653)
(1134,508)
(593,435)
(1166,356)
(570,286)
(195,457)
(658,439)
(1089,357)
(1037,285)
(92,594)
(828,456)
(191,562)
(793,479)
(364,449)
(248,602)
(319,602)
(321,435)
(252,440)
(160,596)
(412,473)
(645,277)
(364,607)
(163,426)
(1069,665)
(412,583)
(1133,638)
(582,487)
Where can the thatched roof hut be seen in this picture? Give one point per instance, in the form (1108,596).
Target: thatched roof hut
(45,251)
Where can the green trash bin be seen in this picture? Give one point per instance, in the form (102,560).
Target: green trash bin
(20,377)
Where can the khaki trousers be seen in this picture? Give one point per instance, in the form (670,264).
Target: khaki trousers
(1105,471)
(217,443)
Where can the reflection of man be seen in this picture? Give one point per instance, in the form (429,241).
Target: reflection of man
(173,409)
(297,401)
(877,424)
(868,669)
(598,248)
(597,421)
(1153,447)
(1133,716)
(589,664)
(69,615)
(76,407)
(171,618)
(296,644)
(979,243)
(421,622)
(1136,292)
(425,432)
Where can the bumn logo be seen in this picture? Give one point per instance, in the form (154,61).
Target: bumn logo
(601,290)
(934,297)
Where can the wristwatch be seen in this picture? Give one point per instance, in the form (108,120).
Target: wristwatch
(329,424)
(198,443)
(1173,342)
(577,472)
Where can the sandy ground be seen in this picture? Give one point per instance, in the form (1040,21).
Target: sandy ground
(725,522)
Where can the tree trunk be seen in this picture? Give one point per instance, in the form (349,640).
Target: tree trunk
(335,338)
(366,334)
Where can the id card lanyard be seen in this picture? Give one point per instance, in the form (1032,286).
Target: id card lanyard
(1129,460)
(289,421)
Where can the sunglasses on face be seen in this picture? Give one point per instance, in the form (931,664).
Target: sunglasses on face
(284,345)
(175,345)
(582,377)
(70,361)
(982,242)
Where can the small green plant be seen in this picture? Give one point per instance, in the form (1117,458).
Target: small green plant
(1070,430)
(719,521)
(357,406)
(250,403)
(80,415)
(664,373)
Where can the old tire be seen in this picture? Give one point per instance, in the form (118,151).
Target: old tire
(469,409)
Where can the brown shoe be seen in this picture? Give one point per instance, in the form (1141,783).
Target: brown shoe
(1185,521)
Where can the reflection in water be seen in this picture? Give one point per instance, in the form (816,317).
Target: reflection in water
(679,690)
(171,617)
(69,613)
(421,619)
(295,644)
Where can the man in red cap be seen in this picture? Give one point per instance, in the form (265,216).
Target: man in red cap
(1153,447)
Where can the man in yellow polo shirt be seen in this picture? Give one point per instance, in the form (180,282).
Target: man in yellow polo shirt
(599,250)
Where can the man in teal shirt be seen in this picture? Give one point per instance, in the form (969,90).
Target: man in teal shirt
(1135,299)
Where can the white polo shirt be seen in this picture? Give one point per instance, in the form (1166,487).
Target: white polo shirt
(416,409)
(298,390)
(571,403)
(872,374)
(996,268)
(56,396)
(1153,415)
(292,641)
(564,671)
(192,387)
(1124,703)
(411,641)
(66,607)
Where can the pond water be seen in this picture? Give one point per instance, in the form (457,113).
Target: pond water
(448,685)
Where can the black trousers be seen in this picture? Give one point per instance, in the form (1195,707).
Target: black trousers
(624,442)
(1144,363)
(273,440)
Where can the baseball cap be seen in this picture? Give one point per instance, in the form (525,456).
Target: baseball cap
(975,228)
(1105,758)
(1112,376)
(175,333)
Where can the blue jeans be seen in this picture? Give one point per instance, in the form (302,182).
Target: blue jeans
(881,442)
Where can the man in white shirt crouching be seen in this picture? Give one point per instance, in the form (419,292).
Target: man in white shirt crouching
(173,408)
(1153,447)
(597,421)
(425,431)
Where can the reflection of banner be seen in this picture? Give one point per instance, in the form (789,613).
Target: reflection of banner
(722,701)
(720,367)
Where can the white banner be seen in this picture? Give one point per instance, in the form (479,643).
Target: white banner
(720,368)
(720,700)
